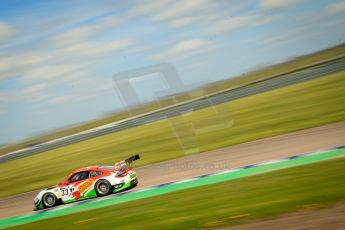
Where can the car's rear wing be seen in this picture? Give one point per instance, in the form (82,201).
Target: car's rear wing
(126,163)
(130,160)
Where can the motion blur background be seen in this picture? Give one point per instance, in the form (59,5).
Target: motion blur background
(266,72)
(57,57)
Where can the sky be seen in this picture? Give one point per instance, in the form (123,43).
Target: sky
(58,58)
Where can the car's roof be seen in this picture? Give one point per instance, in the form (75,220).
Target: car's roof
(88,168)
(94,167)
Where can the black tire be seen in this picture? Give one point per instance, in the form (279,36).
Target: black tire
(134,183)
(49,200)
(103,188)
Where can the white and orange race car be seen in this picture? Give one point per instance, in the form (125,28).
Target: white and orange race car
(89,182)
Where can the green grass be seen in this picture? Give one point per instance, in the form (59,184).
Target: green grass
(233,202)
(279,111)
(232,82)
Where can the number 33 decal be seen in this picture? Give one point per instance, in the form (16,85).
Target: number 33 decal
(67,191)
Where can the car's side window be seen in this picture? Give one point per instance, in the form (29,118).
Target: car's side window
(95,173)
(79,176)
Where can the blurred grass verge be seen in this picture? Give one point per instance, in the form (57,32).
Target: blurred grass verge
(309,104)
(213,88)
(268,195)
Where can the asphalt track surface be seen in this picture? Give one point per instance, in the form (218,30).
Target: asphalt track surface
(255,152)
(274,82)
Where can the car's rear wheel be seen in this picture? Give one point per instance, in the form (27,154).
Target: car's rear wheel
(103,188)
(49,200)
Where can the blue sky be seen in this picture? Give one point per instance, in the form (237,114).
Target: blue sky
(57,58)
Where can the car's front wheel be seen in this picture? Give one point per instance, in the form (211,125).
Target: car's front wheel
(103,188)
(49,200)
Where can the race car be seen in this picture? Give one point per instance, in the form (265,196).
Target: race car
(89,182)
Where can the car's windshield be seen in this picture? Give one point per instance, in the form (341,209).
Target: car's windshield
(79,176)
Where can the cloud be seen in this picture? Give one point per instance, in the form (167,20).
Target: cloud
(82,33)
(147,7)
(57,67)
(72,36)
(61,99)
(165,10)
(306,27)
(35,92)
(35,66)
(41,74)
(13,64)
(2,110)
(176,13)
(182,22)
(336,7)
(234,23)
(84,52)
(182,49)
(209,16)
(274,4)
(6,31)
(4,65)
(34,89)
(181,8)
(83,85)
(76,86)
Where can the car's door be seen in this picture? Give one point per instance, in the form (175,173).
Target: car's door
(72,189)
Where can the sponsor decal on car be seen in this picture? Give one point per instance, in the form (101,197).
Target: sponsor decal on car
(76,195)
(85,185)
